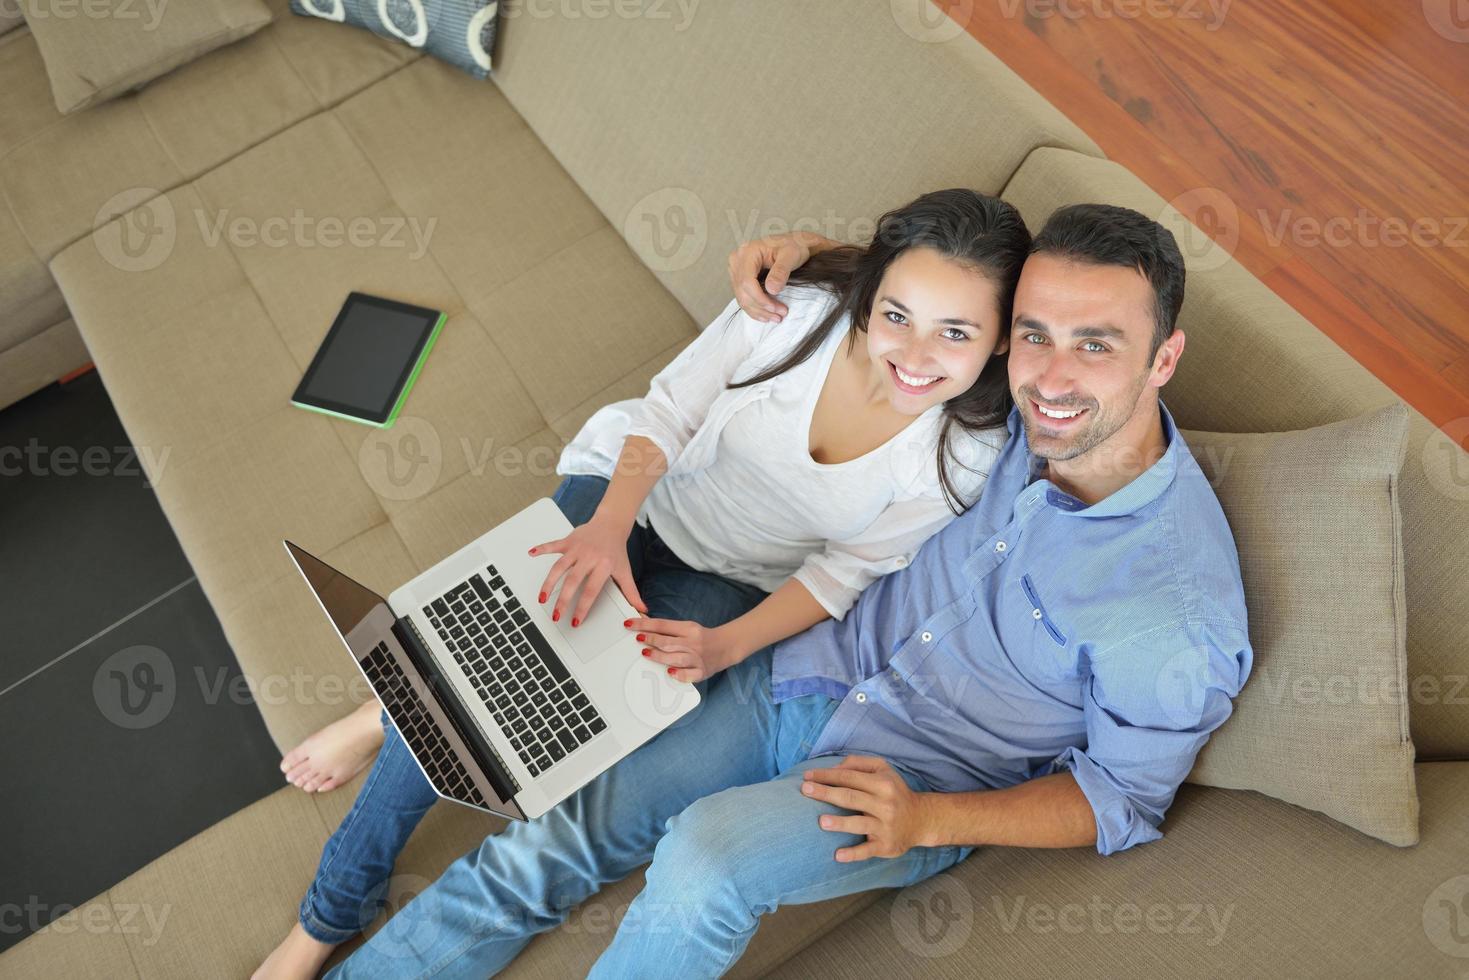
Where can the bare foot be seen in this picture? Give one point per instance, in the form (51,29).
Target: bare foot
(298,957)
(332,756)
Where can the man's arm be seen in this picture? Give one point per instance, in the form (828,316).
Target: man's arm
(1050,811)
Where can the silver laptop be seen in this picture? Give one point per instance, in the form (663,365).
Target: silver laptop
(504,710)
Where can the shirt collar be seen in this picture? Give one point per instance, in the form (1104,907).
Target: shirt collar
(1146,487)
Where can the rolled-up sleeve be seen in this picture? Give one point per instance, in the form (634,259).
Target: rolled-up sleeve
(1149,705)
(680,395)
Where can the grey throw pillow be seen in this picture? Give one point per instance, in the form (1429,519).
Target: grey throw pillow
(460,32)
(1322,721)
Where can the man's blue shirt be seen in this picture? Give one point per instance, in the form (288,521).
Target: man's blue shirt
(1035,634)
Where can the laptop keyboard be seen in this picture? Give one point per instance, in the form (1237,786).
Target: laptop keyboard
(540,708)
(418,728)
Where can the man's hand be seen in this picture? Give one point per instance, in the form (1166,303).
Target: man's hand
(889,813)
(778,253)
(690,652)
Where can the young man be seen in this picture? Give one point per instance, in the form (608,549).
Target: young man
(1042,675)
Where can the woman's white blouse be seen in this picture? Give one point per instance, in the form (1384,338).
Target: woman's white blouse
(744,499)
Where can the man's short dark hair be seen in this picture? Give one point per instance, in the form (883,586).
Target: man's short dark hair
(1102,234)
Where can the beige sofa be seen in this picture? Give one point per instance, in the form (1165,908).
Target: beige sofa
(579,210)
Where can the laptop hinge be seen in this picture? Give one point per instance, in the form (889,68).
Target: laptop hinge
(489,760)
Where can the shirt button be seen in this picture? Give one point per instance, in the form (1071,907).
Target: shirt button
(901,562)
(1000,547)
(926,636)
(861,698)
(1035,614)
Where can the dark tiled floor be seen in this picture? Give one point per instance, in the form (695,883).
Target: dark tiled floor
(125,728)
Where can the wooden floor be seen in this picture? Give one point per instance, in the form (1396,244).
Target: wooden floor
(1320,139)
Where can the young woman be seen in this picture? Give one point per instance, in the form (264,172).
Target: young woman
(772,472)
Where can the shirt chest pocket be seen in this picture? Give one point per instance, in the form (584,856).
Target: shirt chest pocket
(1043,617)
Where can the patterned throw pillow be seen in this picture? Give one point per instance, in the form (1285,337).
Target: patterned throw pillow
(461,32)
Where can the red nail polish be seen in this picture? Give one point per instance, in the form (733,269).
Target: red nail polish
(647,652)
(556,616)
(575,622)
(628,622)
(641,638)
(670,671)
(543,597)
(533,551)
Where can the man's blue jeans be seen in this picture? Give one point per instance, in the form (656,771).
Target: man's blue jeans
(714,801)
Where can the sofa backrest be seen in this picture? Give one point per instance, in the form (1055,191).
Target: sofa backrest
(696,125)
(1253,364)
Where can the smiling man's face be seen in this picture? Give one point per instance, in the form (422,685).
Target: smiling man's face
(1081,364)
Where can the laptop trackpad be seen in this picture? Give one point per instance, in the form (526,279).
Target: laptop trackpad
(603,626)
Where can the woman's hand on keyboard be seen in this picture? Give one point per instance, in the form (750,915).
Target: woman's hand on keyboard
(690,652)
(590,554)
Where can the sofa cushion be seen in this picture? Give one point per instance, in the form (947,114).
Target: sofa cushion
(459,32)
(91,59)
(1242,886)
(1323,719)
(1253,364)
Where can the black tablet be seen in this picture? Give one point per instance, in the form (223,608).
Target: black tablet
(369,360)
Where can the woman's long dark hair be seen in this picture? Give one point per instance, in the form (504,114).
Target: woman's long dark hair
(974,229)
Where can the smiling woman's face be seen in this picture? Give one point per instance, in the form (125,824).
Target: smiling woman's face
(932,328)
